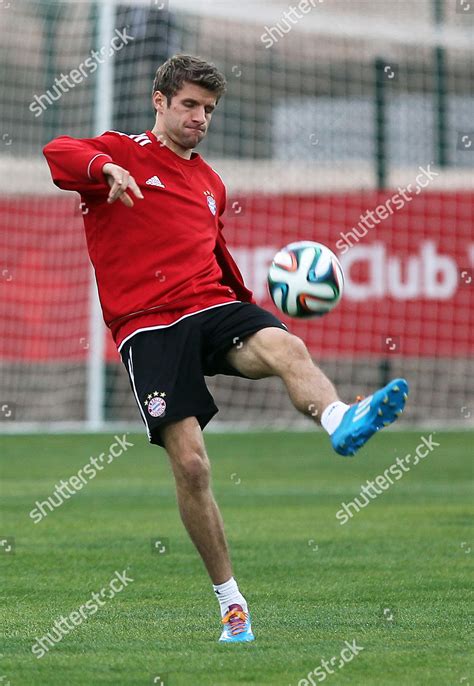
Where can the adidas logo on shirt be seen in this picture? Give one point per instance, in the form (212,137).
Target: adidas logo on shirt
(155,181)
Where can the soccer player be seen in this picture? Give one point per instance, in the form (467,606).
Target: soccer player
(176,304)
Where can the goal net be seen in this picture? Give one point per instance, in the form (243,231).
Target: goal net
(346,123)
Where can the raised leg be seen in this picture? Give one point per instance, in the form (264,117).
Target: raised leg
(275,352)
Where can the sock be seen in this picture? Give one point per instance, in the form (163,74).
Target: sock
(228,594)
(332,416)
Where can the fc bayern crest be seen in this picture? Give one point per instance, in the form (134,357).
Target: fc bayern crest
(211,201)
(156,404)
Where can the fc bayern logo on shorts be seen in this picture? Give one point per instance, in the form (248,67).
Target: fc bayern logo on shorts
(157,407)
(211,201)
(156,404)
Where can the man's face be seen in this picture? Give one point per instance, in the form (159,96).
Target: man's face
(185,121)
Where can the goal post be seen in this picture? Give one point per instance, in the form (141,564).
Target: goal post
(103,104)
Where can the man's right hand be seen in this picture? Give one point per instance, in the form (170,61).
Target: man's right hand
(120,180)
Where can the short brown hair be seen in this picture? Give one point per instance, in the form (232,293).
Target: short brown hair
(177,70)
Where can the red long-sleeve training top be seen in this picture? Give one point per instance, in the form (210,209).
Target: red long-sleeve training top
(163,259)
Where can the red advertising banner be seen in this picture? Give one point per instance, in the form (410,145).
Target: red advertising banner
(409,271)
(409,277)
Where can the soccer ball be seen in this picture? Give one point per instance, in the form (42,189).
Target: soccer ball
(305,279)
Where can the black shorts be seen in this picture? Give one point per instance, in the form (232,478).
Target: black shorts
(166,366)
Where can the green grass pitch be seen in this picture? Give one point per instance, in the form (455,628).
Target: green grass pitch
(396,578)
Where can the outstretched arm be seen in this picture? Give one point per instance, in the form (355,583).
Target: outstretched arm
(86,165)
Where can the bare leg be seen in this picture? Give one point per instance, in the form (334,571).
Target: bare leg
(274,352)
(199,511)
